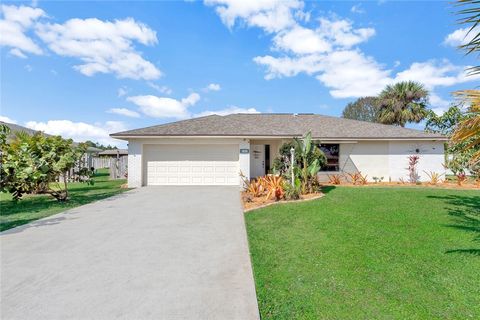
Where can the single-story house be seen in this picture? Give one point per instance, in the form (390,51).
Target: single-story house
(113,153)
(213,150)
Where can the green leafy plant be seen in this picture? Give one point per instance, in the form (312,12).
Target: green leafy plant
(311,160)
(36,163)
(292,192)
(377,179)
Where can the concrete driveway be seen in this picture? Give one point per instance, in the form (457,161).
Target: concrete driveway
(150,253)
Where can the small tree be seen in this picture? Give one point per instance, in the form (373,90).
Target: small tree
(36,162)
(363,109)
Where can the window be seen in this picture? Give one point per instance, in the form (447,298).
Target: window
(332,152)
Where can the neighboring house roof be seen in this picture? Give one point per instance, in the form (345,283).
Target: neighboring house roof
(113,152)
(279,125)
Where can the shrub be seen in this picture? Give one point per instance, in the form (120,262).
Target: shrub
(292,192)
(308,161)
(363,179)
(255,188)
(335,179)
(413,176)
(355,177)
(273,185)
(34,163)
(434,177)
(461,178)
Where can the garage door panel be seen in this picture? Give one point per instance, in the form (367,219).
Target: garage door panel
(191,164)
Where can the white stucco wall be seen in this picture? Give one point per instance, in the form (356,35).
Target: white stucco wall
(136,173)
(431,158)
(389,159)
(134,164)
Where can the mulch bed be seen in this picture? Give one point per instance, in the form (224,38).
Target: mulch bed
(250,204)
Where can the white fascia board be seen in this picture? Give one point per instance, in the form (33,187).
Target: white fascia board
(344,140)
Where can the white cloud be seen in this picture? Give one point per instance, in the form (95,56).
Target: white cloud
(102,46)
(460,36)
(301,40)
(7,119)
(357,9)
(435,73)
(212,87)
(271,15)
(226,111)
(340,32)
(163,89)
(124,112)
(13,27)
(122,91)
(162,107)
(80,131)
(28,68)
(350,73)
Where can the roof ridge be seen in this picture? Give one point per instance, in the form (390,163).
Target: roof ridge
(168,123)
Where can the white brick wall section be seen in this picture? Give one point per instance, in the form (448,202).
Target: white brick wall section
(134,164)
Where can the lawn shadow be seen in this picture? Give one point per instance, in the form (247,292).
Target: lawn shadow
(465,211)
(327,189)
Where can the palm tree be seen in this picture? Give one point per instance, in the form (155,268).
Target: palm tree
(403,102)
(471,17)
(468,131)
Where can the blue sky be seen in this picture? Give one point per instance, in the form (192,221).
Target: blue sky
(87,69)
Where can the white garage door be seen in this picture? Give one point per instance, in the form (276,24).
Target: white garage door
(191,164)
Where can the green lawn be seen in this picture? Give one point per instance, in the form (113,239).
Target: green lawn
(369,253)
(33,207)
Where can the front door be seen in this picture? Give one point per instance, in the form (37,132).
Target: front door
(257,160)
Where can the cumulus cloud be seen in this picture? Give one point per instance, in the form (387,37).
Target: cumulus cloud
(435,73)
(14,25)
(102,46)
(163,107)
(81,131)
(460,36)
(7,119)
(330,50)
(212,87)
(124,112)
(226,111)
(271,15)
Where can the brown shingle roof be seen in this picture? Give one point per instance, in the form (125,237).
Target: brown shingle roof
(281,125)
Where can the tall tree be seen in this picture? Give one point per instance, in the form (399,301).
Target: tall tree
(363,109)
(402,103)
(468,131)
(471,17)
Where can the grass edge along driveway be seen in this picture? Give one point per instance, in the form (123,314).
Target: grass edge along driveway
(34,207)
(369,253)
